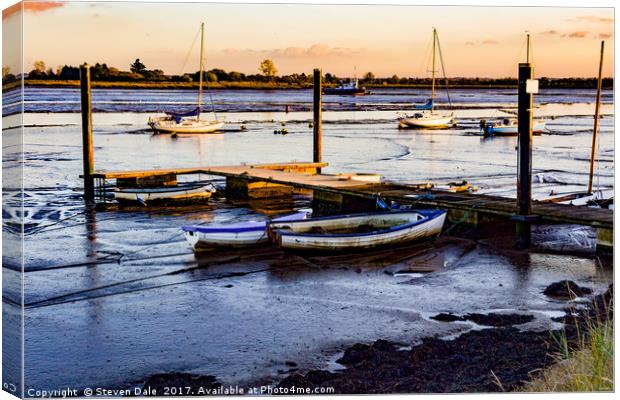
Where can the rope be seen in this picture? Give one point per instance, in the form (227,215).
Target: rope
(190,51)
(443,71)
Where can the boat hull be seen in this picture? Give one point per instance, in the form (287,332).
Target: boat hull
(344,92)
(433,122)
(244,234)
(162,195)
(513,130)
(193,126)
(408,226)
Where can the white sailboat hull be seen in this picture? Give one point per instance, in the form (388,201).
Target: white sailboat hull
(169,125)
(397,228)
(428,121)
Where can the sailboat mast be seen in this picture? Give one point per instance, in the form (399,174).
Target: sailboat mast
(202,40)
(527,52)
(433,69)
(596,114)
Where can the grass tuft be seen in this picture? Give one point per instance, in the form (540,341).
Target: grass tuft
(584,359)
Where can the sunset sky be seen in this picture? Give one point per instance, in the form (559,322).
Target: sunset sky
(342,39)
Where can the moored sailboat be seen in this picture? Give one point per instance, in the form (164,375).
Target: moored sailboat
(188,122)
(428,118)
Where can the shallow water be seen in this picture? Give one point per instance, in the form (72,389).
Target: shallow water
(116,296)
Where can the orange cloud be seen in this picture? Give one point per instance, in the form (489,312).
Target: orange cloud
(578,34)
(29,6)
(594,18)
(316,50)
(604,35)
(550,32)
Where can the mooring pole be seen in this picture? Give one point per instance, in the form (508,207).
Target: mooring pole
(524,157)
(317,128)
(87,134)
(596,113)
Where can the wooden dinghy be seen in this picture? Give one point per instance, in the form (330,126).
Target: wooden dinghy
(241,234)
(357,231)
(144,196)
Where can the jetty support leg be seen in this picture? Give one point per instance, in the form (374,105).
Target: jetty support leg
(604,241)
(325,203)
(524,159)
(87,134)
(317,128)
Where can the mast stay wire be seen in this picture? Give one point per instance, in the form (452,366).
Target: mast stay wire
(443,71)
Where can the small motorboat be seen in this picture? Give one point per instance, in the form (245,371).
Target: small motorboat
(509,127)
(357,231)
(347,88)
(145,196)
(241,234)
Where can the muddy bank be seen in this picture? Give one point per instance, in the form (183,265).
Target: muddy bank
(488,360)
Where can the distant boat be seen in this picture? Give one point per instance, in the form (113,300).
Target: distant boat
(147,196)
(240,234)
(351,88)
(510,127)
(188,122)
(357,231)
(428,118)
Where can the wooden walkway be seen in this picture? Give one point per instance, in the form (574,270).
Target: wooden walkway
(299,175)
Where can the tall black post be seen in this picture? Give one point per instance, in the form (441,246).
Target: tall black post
(87,134)
(317,117)
(524,157)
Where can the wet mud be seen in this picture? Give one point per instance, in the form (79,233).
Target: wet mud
(488,360)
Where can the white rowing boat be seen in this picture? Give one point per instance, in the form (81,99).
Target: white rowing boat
(240,234)
(174,193)
(357,231)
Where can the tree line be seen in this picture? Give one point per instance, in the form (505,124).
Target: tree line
(138,72)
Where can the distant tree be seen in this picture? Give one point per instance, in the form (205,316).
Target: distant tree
(211,77)
(394,79)
(369,77)
(39,66)
(268,68)
(7,76)
(137,67)
(236,76)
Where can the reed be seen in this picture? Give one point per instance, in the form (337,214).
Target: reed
(583,359)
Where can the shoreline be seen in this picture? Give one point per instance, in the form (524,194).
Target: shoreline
(248,85)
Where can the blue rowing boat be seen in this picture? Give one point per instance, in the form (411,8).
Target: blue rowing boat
(240,234)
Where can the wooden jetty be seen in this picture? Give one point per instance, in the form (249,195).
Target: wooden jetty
(334,194)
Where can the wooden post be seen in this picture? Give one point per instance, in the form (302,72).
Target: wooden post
(596,112)
(317,129)
(87,134)
(524,157)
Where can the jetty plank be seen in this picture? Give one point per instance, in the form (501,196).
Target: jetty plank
(299,175)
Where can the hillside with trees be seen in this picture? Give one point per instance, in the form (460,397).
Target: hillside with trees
(140,76)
